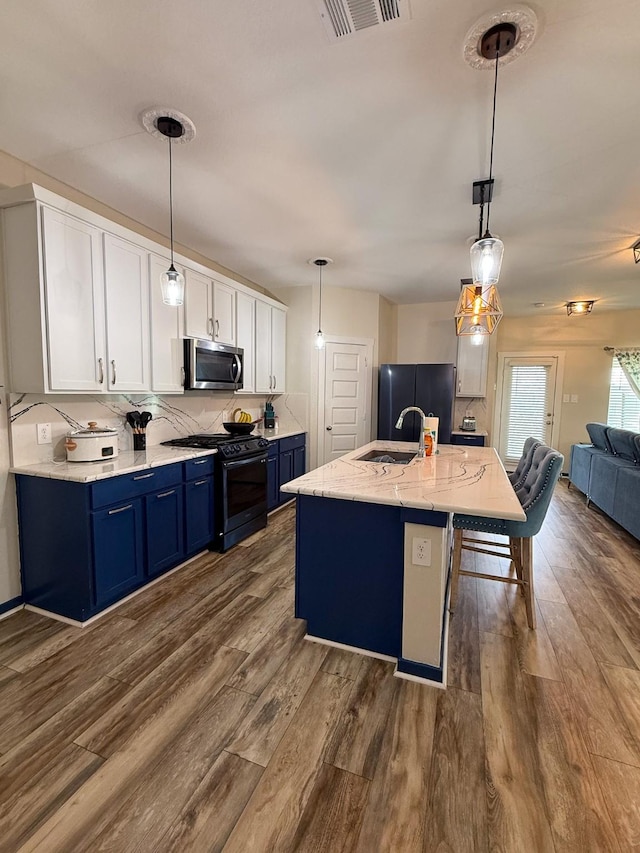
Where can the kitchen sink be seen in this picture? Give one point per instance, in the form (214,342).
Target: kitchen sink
(395,457)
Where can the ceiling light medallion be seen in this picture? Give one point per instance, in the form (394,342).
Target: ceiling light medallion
(176,127)
(320,263)
(584,306)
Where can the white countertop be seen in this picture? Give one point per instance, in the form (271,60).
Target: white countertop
(469,432)
(459,478)
(124,462)
(273,434)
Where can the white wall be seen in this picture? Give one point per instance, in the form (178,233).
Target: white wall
(426,333)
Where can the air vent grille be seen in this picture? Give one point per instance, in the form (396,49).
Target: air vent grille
(348,17)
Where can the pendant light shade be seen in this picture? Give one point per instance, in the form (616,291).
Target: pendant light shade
(486,260)
(320,263)
(478,311)
(172,284)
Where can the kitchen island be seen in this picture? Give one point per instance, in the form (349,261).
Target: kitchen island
(373,547)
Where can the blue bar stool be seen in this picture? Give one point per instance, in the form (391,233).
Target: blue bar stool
(517,477)
(535,496)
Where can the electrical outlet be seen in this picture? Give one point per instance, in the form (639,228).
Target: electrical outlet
(420,551)
(44,433)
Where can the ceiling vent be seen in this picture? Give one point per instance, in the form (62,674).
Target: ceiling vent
(343,18)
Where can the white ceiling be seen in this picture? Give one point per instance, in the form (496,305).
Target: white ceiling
(363,150)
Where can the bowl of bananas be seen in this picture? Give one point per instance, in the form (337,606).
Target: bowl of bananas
(241,424)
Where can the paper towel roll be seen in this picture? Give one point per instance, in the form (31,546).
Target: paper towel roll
(431,428)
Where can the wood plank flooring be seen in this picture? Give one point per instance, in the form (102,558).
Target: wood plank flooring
(197,718)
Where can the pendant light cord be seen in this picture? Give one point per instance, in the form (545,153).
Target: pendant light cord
(493,128)
(171,198)
(320,302)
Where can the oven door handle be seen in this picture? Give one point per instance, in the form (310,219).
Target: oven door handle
(237,463)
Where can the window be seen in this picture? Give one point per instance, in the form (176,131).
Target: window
(624,406)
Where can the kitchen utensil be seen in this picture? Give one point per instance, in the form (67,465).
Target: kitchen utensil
(133,419)
(145,417)
(238,428)
(93,444)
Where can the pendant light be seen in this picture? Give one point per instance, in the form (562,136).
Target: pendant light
(479,310)
(320,263)
(171,281)
(486,253)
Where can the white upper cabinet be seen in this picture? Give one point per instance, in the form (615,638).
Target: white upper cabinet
(127,302)
(210,309)
(85,312)
(224,313)
(245,338)
(472,364)
(198,306)
(167,350)
(74,299)
(270,348)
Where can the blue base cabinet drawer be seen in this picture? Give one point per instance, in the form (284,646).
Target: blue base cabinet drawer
(106,492)
(470,440)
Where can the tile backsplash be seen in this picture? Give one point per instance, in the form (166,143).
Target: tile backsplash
(173,416)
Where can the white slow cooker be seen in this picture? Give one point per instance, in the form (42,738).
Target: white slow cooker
(94,444)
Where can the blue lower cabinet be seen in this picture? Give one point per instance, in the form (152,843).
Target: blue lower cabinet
(470,440)
(286,472)
(164,530)
(298,462)
(198,505)
(273,476)
(117,551)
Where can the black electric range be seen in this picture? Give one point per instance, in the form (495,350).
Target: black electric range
(240,483)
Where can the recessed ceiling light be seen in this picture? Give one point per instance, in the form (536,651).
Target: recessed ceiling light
(584,306)
(538,304)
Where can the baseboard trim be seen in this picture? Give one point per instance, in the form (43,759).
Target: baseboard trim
(346,648)
(7,608)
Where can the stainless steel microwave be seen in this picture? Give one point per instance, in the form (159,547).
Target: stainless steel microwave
(209,366)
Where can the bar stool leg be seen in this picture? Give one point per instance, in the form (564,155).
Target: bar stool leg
(527,577)
(455,567)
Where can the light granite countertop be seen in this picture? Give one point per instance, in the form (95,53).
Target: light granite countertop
(462,479)
(124,463)
(273,434)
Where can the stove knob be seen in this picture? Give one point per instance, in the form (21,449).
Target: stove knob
(237,448)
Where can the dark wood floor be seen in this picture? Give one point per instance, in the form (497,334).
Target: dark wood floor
(196,718)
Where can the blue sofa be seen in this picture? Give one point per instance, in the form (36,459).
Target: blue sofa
(608,472)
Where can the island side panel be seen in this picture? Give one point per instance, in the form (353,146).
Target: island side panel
(425,590)
(349,572)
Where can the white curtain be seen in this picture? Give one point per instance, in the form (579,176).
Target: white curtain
(629,360)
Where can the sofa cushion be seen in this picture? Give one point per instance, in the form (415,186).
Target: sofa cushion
(603,478)
(623,443)
(626,505)
(580,465)
(598,436)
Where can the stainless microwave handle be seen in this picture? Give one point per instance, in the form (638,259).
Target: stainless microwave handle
(238,364)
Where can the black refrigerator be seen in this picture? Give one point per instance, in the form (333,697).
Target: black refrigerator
(431,387)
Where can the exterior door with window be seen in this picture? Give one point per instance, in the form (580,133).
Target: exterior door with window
(526,403)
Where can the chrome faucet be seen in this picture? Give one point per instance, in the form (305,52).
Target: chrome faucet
(423,416)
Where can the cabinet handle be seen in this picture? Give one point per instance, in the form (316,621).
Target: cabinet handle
(200,461)
(275,383)
(210,325)
(120,509)
(113,371)
(270,382)
(200,482)
(166,494)
(460,385)
(217,329)
(101,367)
(183,377)
(144,476)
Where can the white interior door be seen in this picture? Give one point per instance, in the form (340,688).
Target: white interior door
(346,399)
(527,403)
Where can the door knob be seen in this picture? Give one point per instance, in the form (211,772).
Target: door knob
(329,429)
